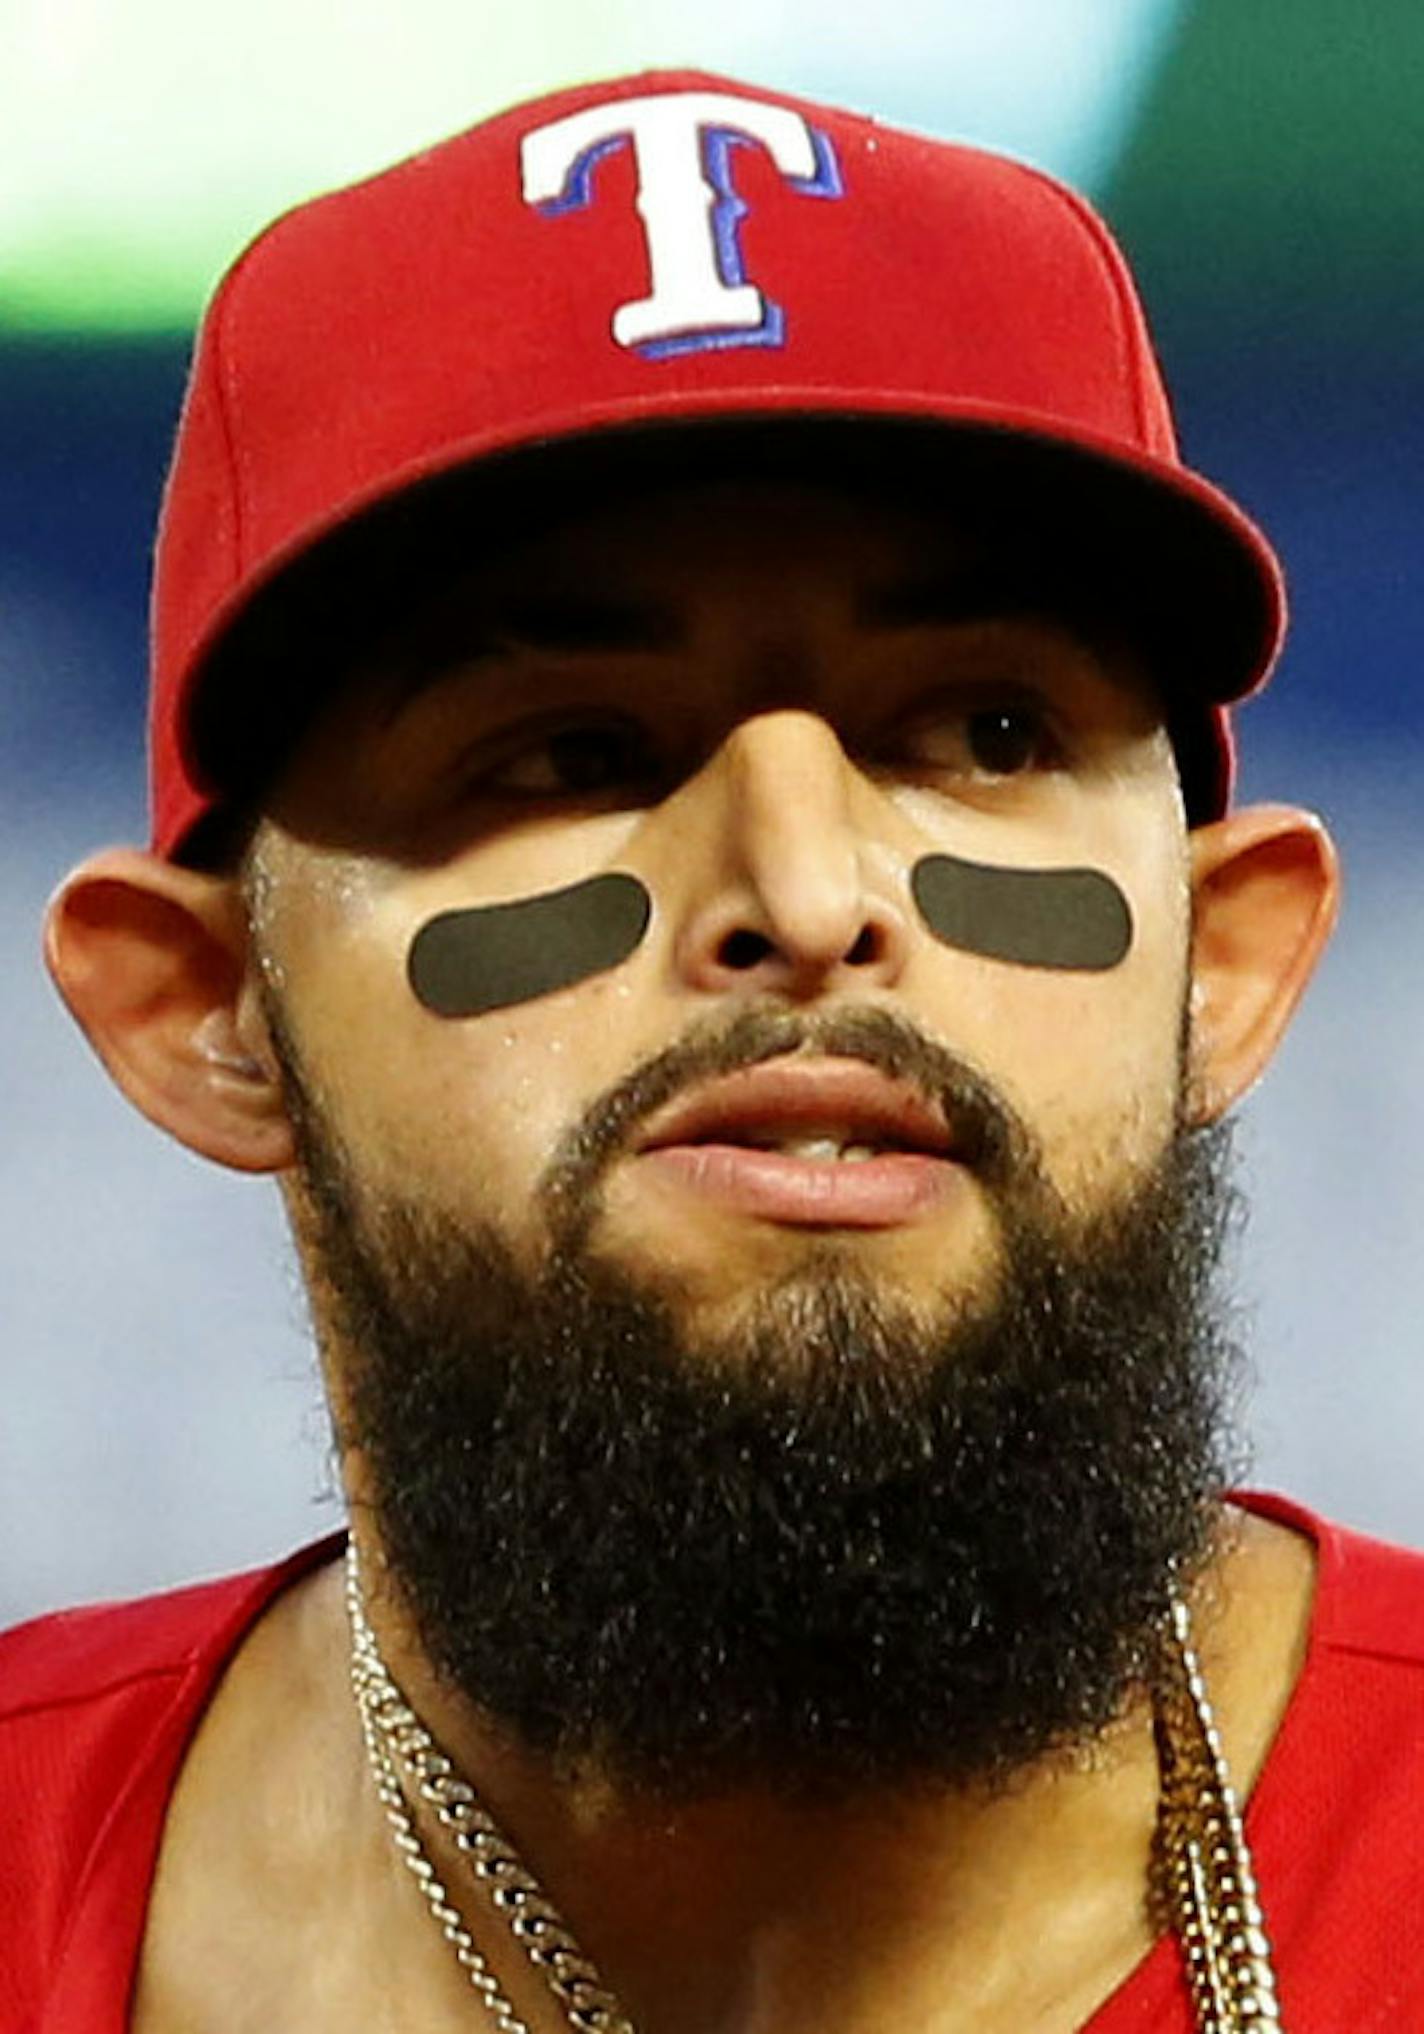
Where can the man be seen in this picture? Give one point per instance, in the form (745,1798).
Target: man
(692,832)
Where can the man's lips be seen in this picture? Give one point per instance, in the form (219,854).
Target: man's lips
(766,1141)
(789,1098)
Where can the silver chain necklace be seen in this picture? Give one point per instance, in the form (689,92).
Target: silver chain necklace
(1203,1880)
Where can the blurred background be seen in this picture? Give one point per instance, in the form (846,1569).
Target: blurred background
(160,1416)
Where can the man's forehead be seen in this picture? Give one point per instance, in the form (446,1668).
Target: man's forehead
(679,531)
(637,573)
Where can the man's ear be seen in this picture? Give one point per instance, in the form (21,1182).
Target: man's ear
(153,963)
(1265,892)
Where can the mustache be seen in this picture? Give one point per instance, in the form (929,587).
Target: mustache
(991,1138)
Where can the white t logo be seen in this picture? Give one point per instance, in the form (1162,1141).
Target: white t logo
(682,142)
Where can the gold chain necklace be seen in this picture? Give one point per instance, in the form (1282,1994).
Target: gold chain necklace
(1202,1876)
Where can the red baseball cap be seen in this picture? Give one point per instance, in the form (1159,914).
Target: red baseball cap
(634,270)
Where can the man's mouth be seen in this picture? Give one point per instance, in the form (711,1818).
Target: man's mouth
(819,1142)
(831,1145)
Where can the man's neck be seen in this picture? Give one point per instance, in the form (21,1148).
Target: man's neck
(1019,1908)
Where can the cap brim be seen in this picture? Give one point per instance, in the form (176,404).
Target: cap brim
(1152,544)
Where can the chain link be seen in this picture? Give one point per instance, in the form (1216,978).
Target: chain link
(397,1741)
(1203,1877)
(1203,1860)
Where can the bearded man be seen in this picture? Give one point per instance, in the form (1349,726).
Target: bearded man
(692,833)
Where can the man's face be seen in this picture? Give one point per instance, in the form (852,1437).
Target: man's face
(767,703)
(699,1450)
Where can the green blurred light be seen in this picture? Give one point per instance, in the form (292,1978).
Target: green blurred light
(145,141)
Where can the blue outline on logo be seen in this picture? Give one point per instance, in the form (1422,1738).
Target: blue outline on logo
(578,184)
(727,214)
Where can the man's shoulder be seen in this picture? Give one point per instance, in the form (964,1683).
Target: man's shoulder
(1370,1596)
(97,1706)
(1377,1607)
(85,1655)
(91,1697)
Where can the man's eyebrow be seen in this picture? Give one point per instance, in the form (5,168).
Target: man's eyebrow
(586,623)
(585,620)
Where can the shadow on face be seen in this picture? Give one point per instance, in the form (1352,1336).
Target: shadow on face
(1060,535)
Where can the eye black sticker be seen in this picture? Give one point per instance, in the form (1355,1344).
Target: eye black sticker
(1039,918)
(486,957)
(464,963)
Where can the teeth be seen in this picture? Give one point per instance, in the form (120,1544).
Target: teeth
(824,1148)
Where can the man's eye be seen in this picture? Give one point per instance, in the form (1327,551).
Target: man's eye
(1002,739)
(578,756)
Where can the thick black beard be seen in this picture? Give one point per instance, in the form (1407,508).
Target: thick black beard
(846,1548)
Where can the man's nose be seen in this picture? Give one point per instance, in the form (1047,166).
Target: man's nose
(780,894)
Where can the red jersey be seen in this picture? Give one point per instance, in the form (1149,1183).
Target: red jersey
(97,1708)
